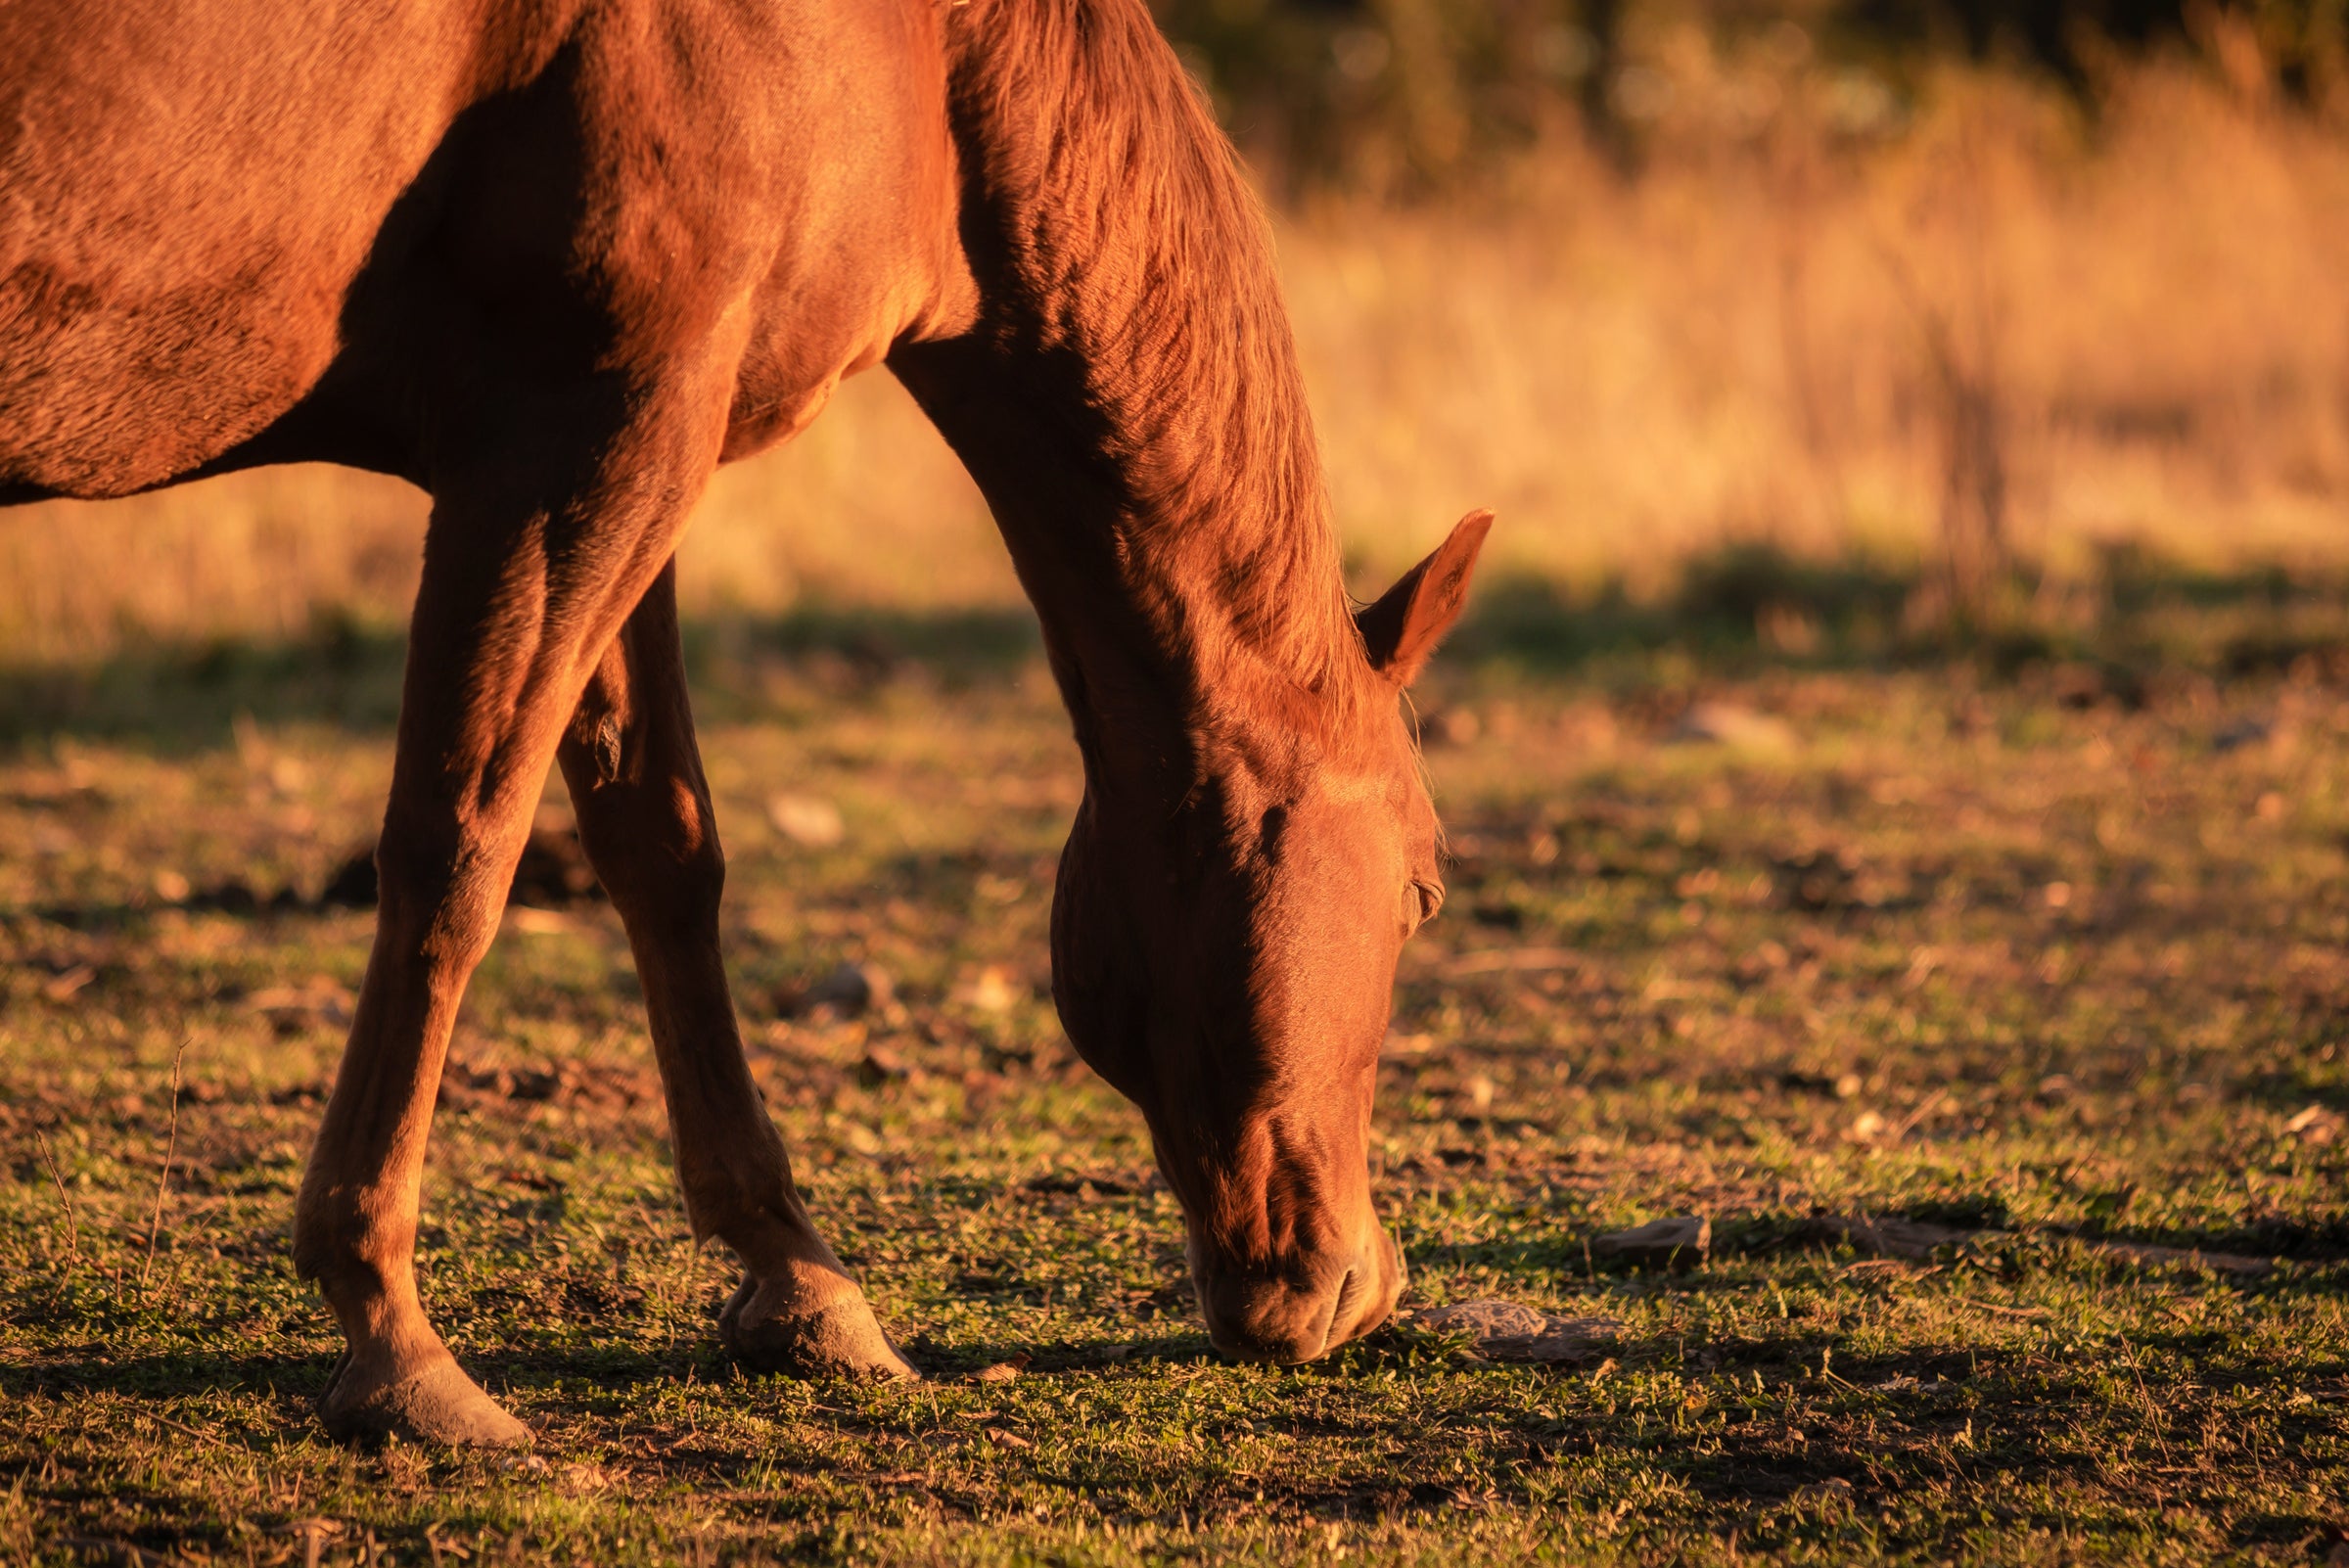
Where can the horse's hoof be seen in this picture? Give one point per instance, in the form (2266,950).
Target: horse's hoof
(769,1332)
(437,1405)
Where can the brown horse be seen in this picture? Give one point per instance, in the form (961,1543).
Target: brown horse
(553,260)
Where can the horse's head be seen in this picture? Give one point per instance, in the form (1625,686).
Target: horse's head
(1228,960)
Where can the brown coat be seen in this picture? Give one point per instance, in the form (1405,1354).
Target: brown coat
(555,260)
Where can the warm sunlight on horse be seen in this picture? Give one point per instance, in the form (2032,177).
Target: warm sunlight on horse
(553,261)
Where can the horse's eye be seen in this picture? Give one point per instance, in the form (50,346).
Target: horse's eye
(1420,901)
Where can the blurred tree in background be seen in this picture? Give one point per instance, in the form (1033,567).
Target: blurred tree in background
(1410,96)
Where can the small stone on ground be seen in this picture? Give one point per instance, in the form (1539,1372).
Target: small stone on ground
(1679,1243)
(1510,1332)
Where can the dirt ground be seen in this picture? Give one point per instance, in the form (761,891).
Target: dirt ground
(2047,953)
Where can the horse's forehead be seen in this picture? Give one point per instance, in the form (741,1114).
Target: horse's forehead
(1329,773)
(1373,780)
(1359,786)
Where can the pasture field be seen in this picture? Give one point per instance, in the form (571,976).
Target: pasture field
(2045,943)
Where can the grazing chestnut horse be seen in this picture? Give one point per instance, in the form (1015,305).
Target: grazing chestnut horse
(554,260)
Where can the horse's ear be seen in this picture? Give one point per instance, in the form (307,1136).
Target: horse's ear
(1404,627)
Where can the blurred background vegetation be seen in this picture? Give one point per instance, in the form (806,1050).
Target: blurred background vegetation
(2002,304)
(1414,96)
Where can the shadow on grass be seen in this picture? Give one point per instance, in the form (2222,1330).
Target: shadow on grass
(1736,610)
(296,1375)
(189,696)
(2010,1424)
(1746,606)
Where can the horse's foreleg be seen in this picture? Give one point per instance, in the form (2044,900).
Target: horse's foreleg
(533,561)
(644,814)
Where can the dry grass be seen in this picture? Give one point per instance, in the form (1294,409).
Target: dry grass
(2064,972)
(1801,323)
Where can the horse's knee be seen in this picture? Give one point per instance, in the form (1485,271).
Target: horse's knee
(660,858)
(440,890)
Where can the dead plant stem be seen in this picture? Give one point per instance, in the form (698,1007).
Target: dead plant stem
(163,1181)
(72,1226)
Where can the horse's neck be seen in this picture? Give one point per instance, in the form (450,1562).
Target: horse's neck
(1130,400)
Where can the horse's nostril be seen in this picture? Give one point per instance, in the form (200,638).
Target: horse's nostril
(1258,1319)
(1348,1288)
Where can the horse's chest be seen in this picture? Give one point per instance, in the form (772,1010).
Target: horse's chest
(832,304)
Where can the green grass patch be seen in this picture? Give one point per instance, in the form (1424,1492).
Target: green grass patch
(2055,966)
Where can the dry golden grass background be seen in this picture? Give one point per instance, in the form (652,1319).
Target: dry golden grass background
(1814,317)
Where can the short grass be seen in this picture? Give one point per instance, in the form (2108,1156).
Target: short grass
(2052,947)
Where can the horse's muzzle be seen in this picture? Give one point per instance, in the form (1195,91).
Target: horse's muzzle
(1256,1317)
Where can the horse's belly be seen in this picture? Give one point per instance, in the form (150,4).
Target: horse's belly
(186,193)
(107,392)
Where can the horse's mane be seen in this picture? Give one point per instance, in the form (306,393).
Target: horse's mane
(1144,269)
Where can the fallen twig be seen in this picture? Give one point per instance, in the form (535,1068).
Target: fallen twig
(2161,1438)
(198,1433)
(162,1182)
(72,1226)
(1923,1110)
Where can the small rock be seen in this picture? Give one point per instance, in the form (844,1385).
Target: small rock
(1400,1047)
(1507,1331)
(1681,1243)
(853,988)
(808,819)
(1003,1371)
(580,1479)
(1735,726)
(991,990)
(2240,733)
(1834,1489)
(2312,1124)
(880,1065)
(293,1008)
